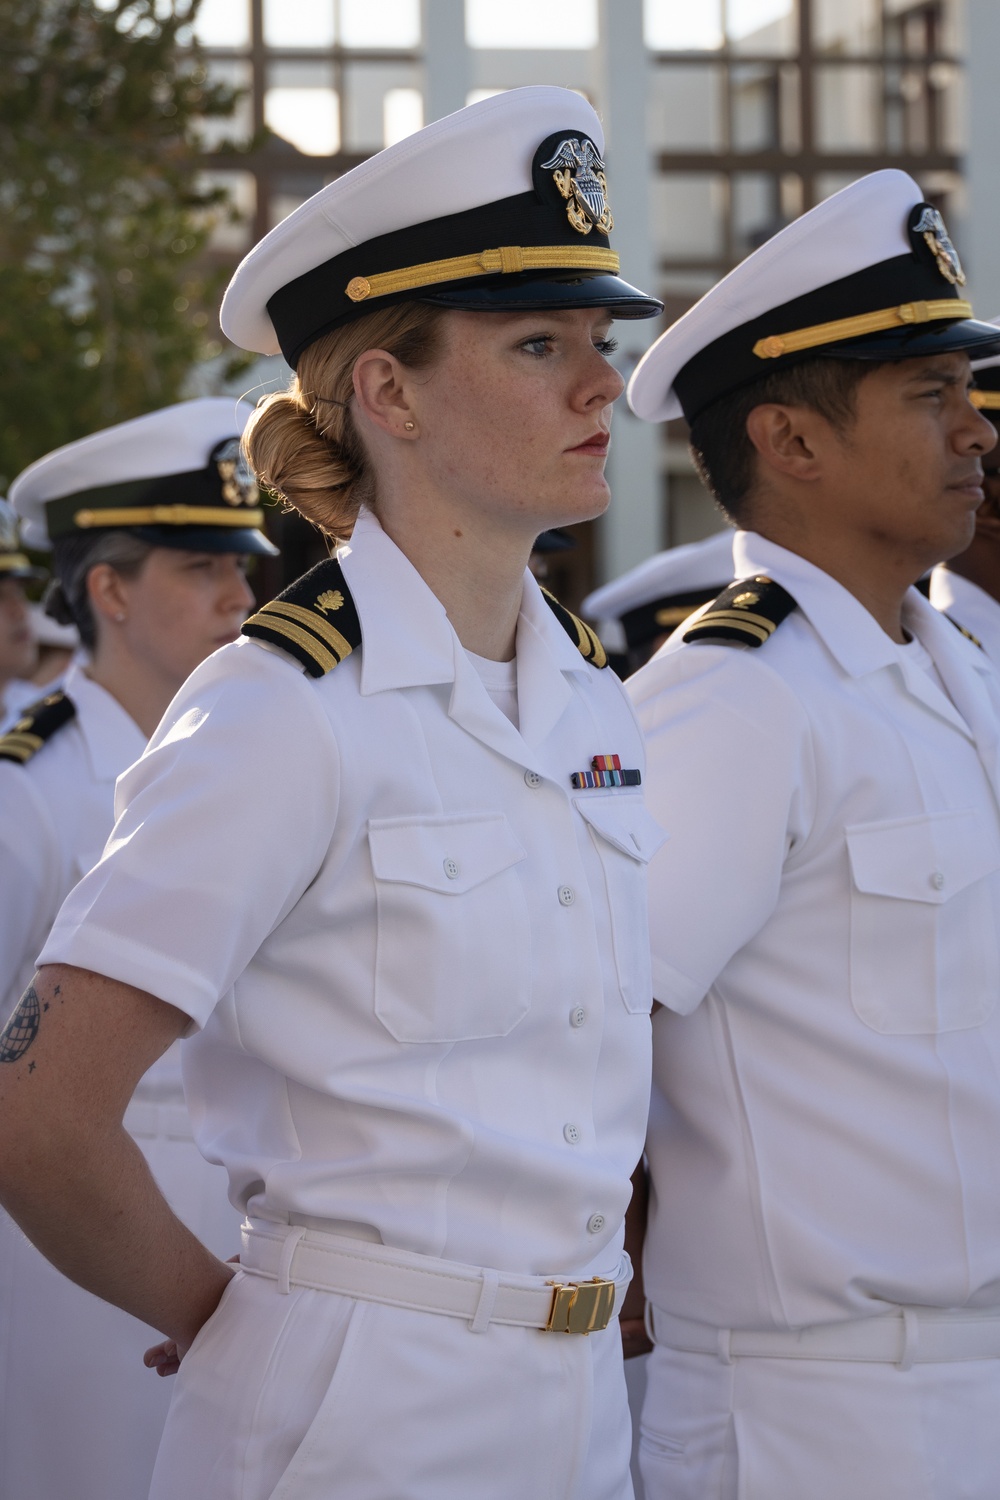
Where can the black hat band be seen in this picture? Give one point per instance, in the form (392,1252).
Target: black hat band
(191,498)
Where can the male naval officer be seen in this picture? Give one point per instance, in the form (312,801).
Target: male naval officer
(823,1252)
(967,588)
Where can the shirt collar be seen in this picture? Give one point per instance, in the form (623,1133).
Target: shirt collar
(112,738)
(408,640)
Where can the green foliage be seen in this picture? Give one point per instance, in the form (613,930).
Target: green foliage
(105,299)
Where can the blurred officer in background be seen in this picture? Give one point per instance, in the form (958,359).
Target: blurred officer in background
(967,588)
(18,651)
(823,1253)
(637,612)
(151,527)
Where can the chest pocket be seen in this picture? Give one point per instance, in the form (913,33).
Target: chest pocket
(626,837)
(924,902)
(453,955)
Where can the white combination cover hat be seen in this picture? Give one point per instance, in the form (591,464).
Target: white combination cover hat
(174,477)
(870,273)
(503,204)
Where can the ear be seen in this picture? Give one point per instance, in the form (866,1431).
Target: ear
(106,592)
(790,440)
(381,390)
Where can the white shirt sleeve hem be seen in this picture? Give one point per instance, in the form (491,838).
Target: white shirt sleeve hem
(675,990)
(110,954)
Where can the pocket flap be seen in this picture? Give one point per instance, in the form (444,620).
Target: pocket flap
(445,854)
(623,822)
(929,858)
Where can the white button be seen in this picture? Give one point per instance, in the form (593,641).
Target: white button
(937,880)
(532,779)
(451,869)
(572,1134)
(595,1223)
(577,1017)
(567,895)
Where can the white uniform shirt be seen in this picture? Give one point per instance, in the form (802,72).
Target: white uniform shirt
(56,812)
(970,606)
(416,960)
(825,916)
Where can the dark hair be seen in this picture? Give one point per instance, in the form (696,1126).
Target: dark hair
(66,598)
(720,447)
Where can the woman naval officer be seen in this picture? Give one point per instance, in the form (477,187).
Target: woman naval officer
(370,865)
(18,651)
(150,530)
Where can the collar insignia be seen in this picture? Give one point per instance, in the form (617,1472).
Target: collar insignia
(931,227)
(578,173)
(236,482)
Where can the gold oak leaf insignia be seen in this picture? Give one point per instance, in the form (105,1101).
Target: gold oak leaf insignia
(331,599)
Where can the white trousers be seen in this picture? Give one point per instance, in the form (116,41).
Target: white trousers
(311,1395)
(80,1417)
(797,1429)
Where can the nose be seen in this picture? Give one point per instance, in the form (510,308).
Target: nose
(977,433)
(602,384)
(236,596)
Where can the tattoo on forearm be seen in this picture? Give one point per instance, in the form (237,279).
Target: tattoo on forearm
(22,1028)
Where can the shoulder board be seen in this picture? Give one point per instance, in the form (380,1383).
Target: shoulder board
(967,633)
(586,641)
(38,723)
(748,613)
(314,620)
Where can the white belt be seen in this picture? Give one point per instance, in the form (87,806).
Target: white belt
(908,1336)
(298,1256)
(145,1118)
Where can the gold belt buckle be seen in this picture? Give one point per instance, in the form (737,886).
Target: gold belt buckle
(581,1306)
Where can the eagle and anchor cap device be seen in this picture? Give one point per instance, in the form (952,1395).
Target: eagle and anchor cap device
(503,205)
(174,478)
(870,273)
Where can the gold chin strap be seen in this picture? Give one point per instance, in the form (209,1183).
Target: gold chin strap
(169,515)
(985,400)
(908,314)
(506,260)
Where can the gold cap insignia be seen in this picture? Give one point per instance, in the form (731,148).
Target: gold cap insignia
(236,482)
(931,227)
(578,173)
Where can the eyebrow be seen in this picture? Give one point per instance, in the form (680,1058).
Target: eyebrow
(943,376)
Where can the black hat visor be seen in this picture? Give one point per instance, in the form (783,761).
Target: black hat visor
(968,334)
(541,293)
(215,539)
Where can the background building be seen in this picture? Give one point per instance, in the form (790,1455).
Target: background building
(725,119)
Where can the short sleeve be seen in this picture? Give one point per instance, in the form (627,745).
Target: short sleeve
(727,757)
(222,825)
